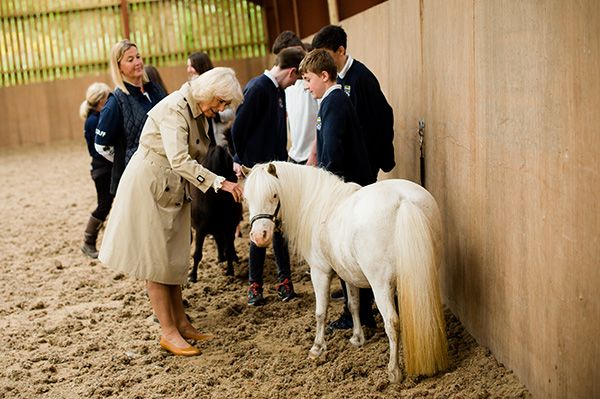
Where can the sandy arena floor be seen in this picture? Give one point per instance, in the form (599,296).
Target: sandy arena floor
(72,328)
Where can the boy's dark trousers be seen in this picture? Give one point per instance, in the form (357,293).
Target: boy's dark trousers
(257,259)
(366,305)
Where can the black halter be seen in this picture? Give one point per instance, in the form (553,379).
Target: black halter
(272,217)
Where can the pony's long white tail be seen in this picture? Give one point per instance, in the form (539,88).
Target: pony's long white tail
(421,315)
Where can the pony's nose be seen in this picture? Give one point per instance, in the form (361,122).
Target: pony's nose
(261,238)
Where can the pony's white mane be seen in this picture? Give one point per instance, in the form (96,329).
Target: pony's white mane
(308,195)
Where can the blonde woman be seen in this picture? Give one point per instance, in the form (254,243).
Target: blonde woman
(95,97)
(148,232)
(123,116)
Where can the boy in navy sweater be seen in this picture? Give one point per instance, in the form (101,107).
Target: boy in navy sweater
(358,82)
(259,135)
(341,147)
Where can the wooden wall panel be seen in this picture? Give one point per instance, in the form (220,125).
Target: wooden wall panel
(404,84)
(372,47)
(453,152)
(539,126)
(510,93)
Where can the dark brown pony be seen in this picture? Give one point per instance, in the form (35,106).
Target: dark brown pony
(216,214)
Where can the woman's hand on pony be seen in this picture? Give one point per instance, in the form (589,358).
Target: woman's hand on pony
(234,189)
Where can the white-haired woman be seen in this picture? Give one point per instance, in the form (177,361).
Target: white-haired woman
(148,232)
(95,97)
(123,116)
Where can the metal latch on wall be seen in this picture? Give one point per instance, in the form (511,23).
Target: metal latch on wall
(421,133)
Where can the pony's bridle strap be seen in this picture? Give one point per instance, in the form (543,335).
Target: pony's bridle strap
(272,217)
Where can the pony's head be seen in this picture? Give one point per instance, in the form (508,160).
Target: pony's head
(261,190)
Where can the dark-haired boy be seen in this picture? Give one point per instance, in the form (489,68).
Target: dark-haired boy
(358,82)
(301,106)
(259,135)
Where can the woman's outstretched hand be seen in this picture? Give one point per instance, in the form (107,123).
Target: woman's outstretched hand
(234,189)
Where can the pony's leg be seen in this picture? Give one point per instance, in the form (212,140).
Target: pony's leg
(230,253)
(220,241)
(384,298)
(320,281)
(358,337)
(193,276)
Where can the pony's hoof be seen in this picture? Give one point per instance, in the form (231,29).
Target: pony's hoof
(314,353)
(395,376)
(357,341)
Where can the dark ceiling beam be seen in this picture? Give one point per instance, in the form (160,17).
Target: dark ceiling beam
(306,17)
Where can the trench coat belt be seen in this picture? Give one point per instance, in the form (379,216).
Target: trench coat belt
(152,156)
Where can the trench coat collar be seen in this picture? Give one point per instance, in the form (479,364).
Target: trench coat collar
(186,91)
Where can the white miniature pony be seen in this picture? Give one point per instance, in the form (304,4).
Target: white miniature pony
(386,236)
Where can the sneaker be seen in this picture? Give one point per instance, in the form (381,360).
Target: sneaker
(285,290)
(343,323)
(337,295)
(255,295)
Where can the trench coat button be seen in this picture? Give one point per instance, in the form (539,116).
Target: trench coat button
(167,188)
(197,141)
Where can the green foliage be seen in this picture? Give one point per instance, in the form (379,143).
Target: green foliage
(43,40)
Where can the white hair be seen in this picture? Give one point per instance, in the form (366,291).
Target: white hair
(218,82)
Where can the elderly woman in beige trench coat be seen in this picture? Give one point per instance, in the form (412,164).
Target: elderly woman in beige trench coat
(148,232)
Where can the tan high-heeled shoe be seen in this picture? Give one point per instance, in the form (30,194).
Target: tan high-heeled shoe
(188,351)
(196,336)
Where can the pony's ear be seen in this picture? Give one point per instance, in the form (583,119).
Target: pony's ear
(245,170)
(272,170)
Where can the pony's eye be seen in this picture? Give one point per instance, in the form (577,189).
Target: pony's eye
(275,195)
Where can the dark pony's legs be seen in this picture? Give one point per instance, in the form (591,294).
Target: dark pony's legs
(200,236)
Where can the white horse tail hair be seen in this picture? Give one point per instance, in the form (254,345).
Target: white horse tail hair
(421,315)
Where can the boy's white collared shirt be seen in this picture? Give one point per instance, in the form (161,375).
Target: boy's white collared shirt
(270,76)
(347,66)
(332,88)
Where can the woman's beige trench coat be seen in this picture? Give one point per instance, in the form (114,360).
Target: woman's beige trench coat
(148,231)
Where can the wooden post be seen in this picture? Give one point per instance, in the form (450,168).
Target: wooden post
(334,17)
(296,20)
(276,14)
(125,18)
